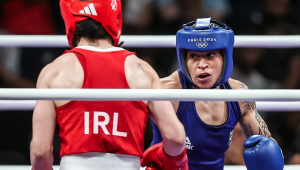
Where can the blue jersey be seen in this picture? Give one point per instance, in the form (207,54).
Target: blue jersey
(206,144)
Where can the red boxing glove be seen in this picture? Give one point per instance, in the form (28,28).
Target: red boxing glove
(156,159)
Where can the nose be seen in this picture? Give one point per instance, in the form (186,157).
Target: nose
(202,64)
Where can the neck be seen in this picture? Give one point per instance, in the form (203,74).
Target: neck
(100,43)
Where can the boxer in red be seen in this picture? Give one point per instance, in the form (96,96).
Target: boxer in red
(101,134)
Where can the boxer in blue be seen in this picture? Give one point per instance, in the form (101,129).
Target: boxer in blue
(204,50)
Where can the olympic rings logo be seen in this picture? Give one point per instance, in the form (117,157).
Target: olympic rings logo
(201,44)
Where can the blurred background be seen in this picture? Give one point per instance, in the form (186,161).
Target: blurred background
(259,68)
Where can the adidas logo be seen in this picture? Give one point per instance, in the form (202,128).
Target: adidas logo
(90,10)
(188,144)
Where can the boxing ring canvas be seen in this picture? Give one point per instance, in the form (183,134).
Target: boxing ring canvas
(268,100)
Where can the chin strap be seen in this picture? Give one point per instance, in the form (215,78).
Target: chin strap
(121,43)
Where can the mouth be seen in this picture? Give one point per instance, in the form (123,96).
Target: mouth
(204,76)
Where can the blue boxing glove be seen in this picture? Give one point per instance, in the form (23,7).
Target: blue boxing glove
(263,153)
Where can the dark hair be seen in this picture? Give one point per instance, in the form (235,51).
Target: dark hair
(90,29)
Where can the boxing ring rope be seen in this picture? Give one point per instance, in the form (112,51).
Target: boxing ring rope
(261,106)
(149,94)
(278,41)
(6,95)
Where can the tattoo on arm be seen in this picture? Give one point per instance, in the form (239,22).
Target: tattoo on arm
(247,130)
(259,131)
(139,66)
(249,105)
(263,128)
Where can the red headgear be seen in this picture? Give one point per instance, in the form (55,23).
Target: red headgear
(107,12)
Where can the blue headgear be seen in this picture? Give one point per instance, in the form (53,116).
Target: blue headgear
(205,35)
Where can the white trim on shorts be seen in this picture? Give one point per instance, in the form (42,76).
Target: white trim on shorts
(98,160)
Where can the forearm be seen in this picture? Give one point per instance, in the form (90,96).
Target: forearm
(174,140)
(43,127)
(256,129)
(41,159)
(253,124)
(172,131)
(41,162)
(262,126)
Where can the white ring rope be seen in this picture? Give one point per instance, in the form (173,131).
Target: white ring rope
(278,41)
(17,105)
(227,167)
(149,94)
(261,106)
(278,106)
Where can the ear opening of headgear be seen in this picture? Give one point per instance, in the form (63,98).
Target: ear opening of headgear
(205,35)
(106,12)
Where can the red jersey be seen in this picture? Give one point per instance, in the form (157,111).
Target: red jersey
(102,126)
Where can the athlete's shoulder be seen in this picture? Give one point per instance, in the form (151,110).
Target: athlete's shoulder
(236,84)
(65,61)
(133,61)
(133,57)
(53,69)
(171,82)
(59,63)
